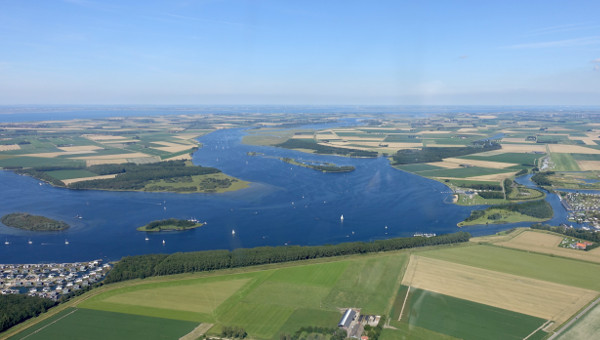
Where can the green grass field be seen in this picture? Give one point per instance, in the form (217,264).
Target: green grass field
(518,158)
(542,267)
(266,303)
(68,174)
(564,162)
(29,162)
(279,299)
(465,319)
(79,323)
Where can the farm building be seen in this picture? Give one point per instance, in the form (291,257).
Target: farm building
(347,319)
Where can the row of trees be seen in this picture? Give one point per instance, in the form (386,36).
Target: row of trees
(436,154)
(15,308)
(302,143)
(142,266)
(233,332)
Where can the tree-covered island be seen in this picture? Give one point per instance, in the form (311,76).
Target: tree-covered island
(27,221)
(171,224)
(324,167)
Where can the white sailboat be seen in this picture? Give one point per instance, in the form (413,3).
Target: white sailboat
(232,232)
(29,242)
(147,238)
(342,218)
(6,242)
(164,242)
(66,241)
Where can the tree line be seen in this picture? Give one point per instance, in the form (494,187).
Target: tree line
(541,178)
(298,143)
(538,209)
(141,266)
(15,308)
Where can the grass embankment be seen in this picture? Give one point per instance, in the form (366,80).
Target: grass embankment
(171,224)
(535,211)
(26,221)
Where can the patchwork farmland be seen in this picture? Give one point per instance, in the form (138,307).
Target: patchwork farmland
(468,291)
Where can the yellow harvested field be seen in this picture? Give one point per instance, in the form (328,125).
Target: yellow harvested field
(586,140)
(185,157)
(117,156)
(467,130)
(543,299)
(303,137)
(172,147)
(491,178)
(563,148)
(10,147)
(102,137)
(589,165)
(487,117)
(432,132)
(548,244)
(523,148)
(75,180)
(517,140)
(478,163)
(187,136)
(447,165)
(87,148)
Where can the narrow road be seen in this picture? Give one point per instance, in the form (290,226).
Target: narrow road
(562,329)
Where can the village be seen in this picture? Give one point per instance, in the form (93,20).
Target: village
(582,207)
(354,323)
(50,280)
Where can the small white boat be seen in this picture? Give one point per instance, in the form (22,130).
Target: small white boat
(6,242)
(66,241)
(29,242)
(342,218)
(146,239)
(232,232)
(164,242)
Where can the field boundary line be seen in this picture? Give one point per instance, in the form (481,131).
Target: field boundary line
(537,329)
(573,319)
(404,303)
(50,324)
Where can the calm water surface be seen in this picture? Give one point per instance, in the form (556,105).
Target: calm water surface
(285,204)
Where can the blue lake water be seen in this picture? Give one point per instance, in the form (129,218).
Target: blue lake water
(285,204)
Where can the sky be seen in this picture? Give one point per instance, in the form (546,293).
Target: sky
(300,52)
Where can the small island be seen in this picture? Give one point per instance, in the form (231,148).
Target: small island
(323,167)
(27,221)
(171,224)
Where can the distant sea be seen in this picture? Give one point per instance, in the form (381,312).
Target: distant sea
(28,113)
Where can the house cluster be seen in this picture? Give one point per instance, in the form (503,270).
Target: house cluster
(50,280)
(354,323)
(583,208)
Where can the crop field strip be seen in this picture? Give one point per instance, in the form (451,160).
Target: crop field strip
(521,263)
(584,327)
(542,299)
(466,319)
